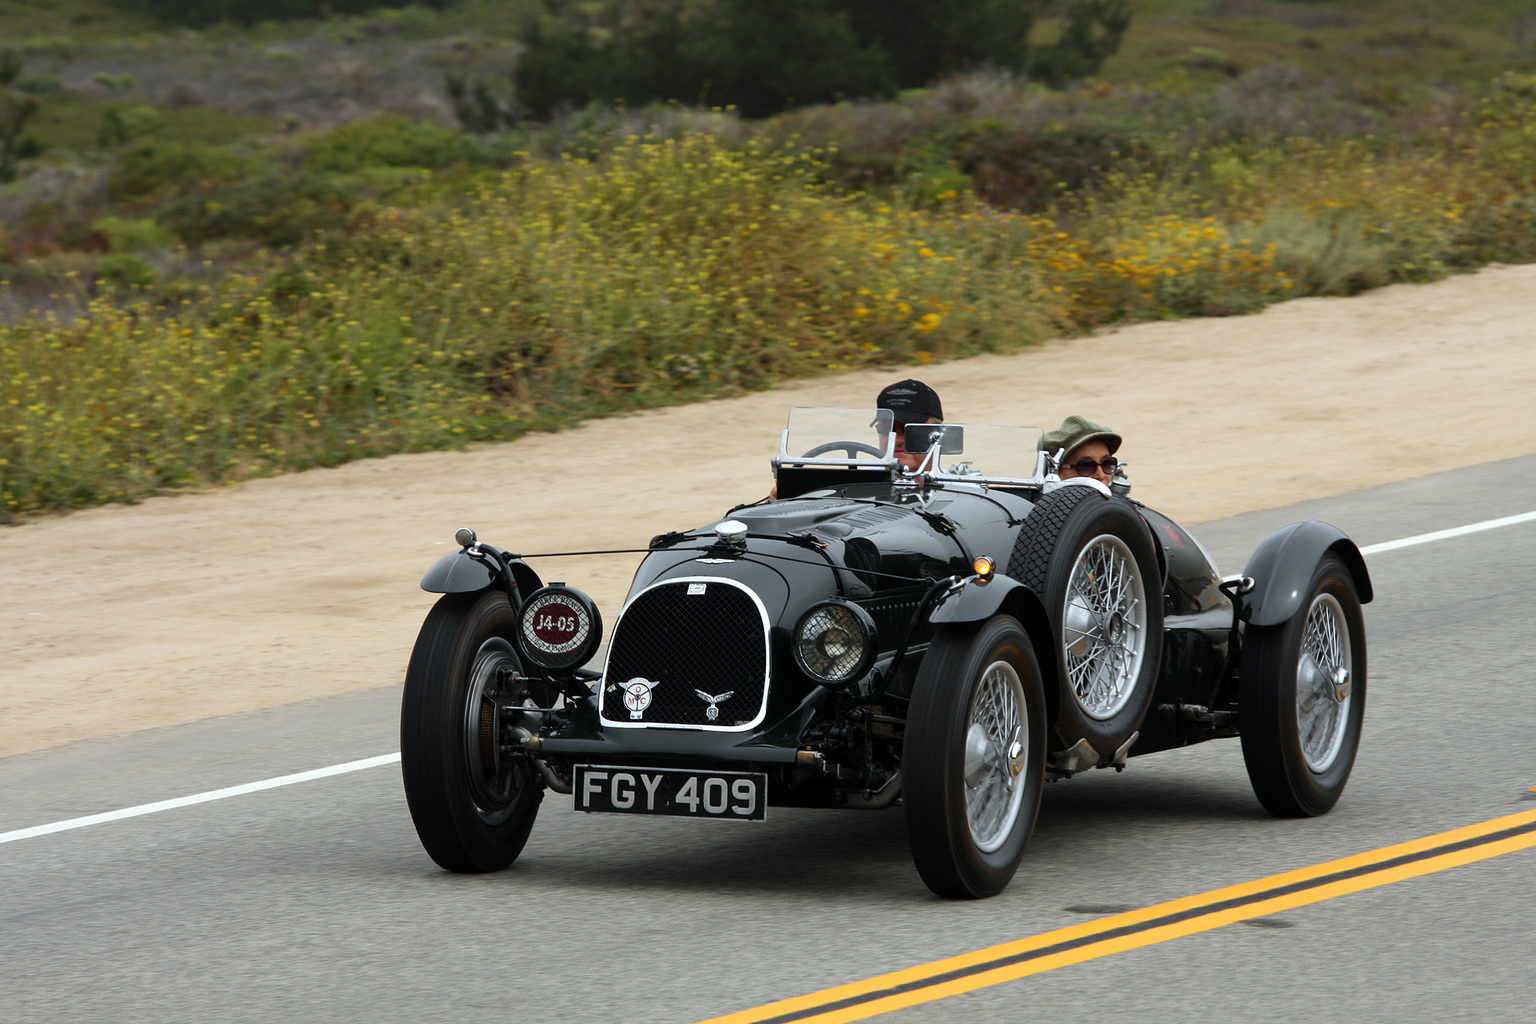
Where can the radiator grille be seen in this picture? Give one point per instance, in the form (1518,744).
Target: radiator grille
(686,638)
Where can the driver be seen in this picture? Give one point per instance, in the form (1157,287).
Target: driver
(1090,449)
(910,401)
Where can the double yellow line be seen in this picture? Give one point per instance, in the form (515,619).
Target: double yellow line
(1106,936)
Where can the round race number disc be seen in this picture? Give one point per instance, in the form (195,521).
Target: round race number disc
(555,624)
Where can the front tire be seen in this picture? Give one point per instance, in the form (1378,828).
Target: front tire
(473,805)
(1301,697)
(974,757)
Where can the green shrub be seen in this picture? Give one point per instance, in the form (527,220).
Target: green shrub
(388,140)
(276,208)
(151,170)
(120,123)
(132,235)
(1325,255)
(125,270)
(40,85)
(60,47)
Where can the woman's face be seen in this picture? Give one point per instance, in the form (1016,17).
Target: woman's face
(1095,451)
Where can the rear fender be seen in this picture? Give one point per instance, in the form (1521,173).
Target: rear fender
(1282,566)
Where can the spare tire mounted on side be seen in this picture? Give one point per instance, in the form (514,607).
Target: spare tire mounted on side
(1090,558)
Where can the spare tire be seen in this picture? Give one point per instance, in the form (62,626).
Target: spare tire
(1090,558)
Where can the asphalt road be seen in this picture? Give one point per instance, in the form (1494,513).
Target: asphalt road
(315,902)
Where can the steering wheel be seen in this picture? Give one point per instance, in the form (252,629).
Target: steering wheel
(851,447)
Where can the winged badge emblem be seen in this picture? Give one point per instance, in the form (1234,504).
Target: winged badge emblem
(713,711)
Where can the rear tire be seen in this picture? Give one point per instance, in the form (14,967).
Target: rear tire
(974,758)
(473,805)
(1299,737)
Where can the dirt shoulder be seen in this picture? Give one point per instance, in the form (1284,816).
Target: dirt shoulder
(304,586)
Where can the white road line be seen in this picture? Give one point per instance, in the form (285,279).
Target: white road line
(1459,531)
(383,759)
(198,798)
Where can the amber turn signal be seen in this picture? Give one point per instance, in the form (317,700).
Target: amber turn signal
(982,566)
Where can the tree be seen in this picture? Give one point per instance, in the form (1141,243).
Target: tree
(16,109)
(763,56)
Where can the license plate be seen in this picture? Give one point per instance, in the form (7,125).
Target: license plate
(737,796)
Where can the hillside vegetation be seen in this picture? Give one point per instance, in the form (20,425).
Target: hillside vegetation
(199,290)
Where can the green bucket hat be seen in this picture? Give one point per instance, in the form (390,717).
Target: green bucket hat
(1076,431)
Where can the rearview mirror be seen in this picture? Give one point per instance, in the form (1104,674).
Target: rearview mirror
(948,437)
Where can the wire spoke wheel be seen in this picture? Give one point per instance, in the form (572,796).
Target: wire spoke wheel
(973,760)
(1104,626)
(1323,689)
(994,745)
(1301,696)
(1092,560)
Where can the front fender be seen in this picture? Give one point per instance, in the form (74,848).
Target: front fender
(1005,595)
(459,572)
(1282,566)
(975,603)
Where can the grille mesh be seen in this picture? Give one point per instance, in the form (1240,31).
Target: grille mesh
(686,642)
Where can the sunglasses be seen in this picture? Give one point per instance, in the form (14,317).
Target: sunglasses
(1086,466)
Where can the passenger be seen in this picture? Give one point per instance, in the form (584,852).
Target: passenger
(1090,449)
(910,401)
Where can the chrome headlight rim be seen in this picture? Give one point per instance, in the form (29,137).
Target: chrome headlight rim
(811,656)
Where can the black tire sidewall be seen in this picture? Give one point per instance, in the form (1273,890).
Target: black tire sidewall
(934,757)
(1271,732)
(434,759)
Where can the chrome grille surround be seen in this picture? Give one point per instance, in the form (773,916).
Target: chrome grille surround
(680,641)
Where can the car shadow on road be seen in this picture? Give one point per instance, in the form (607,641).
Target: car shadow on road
(806,851)
(865,853)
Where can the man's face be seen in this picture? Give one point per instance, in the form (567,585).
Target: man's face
(909,461)
(1076,460)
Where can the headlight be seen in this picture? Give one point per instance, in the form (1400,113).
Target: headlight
(559,627)
(835,642)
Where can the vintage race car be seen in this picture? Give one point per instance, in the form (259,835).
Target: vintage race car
(947,639)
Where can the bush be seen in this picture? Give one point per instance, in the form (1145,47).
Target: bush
(275,207)
(388,140)
(151,170)
(1325,255)
(130,235)
(125,270)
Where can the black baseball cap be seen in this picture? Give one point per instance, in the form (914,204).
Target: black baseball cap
(911,401)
